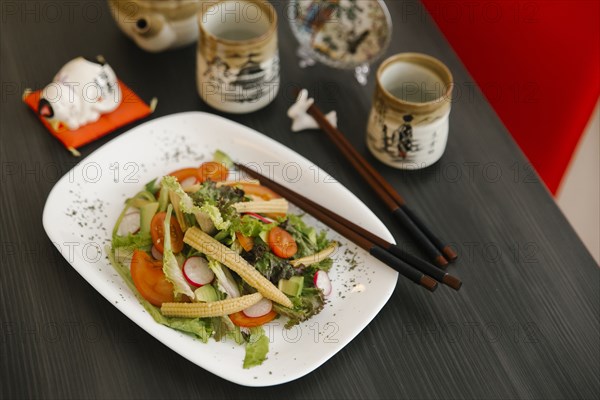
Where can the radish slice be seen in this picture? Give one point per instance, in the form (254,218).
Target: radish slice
(196,271)
(322,282)
(129,224)
(260,218)
(187,182)
(156,254)
(263,307)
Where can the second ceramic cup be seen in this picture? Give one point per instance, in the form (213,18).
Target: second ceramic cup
(237,57)
(408,126)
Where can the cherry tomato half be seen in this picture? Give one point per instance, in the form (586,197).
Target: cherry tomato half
(149,279)
(157,231)
(282,244)
(241,319)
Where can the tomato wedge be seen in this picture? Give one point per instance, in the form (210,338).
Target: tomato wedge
(183,175)
(282,244)
(246,242)
(240,319)
(157,231)
(212,170)
(149,279)
(215,171)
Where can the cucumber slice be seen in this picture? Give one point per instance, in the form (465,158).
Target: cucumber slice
(206,293)
(292,286)
(146,213)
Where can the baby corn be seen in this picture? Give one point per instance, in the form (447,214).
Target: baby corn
(270,206)
(239,182)
(211,309)
(315,258)
(207,245)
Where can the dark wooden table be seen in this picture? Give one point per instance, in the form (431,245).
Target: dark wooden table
(525,324)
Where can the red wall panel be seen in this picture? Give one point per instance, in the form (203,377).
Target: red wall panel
(537,62)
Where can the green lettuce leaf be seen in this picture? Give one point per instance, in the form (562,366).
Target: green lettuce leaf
(221,327)
(322,241)
(247,225)
(256,348)
(324,265)
(131,241)
(309,303)
(171,267)
(224,328)
(215,216)
(200,327)
(185,203)
(222,196)
(252,227)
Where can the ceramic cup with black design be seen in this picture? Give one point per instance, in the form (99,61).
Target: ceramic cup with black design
(237,57)
(408,124)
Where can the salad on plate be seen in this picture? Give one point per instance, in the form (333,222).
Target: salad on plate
(219,258)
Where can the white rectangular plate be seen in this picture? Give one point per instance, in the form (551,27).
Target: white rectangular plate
(83,206)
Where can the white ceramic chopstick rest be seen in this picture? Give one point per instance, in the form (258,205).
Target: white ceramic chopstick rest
(301,120)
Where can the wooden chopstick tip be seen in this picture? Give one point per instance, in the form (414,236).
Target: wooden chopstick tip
(449,253)
(452,281)
(441,262)
(428,283)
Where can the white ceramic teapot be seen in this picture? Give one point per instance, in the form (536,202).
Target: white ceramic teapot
(157,25)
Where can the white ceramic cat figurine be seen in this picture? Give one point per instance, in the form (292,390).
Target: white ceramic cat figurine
(80,92)
(157,25)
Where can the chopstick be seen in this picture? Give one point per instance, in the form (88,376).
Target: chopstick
(429,242)
(419,271)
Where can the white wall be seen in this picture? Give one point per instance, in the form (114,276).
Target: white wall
(579,193)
